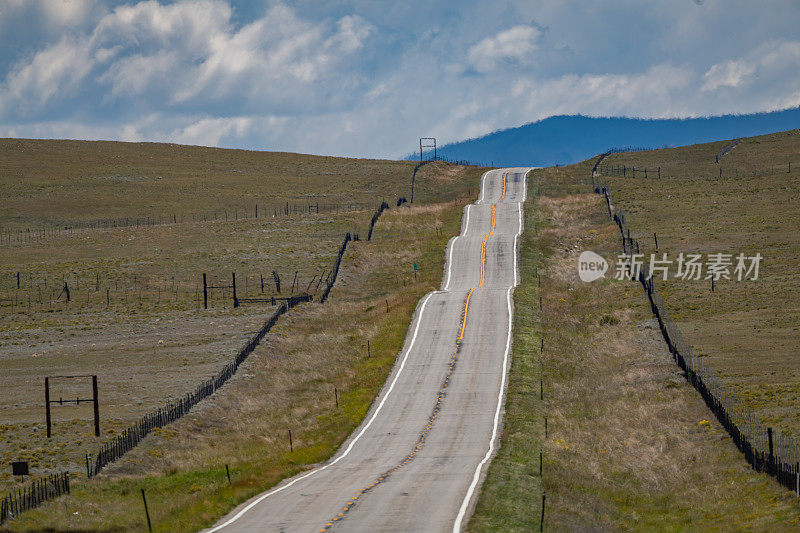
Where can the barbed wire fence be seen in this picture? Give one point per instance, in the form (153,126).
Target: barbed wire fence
(648,172)
(765,449)
(25,236)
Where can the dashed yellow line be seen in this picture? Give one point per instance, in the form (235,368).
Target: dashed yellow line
(426,431)
(491,232)
(445,384)
(483,261)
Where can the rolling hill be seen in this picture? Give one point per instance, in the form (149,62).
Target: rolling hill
(562,139)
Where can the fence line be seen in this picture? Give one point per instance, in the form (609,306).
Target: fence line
(766,450)
(375,218)
(32,496)
(257,211)
(647,172)
(175,409)
(733,144)
(335,272)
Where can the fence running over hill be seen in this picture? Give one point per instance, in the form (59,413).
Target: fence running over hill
(174,410)
(766,450)
(375,218)
(733,144)
(335,272)
(30,497)
(727,172)
(256,211)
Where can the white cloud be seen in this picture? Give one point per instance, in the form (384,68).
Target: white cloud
(515,45)
(356,77)
(190,54)
(727,74)
(210,131)
(66,12)
(58,70)
(769,59)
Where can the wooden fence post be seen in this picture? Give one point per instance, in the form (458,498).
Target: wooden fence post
(541,520)
(233,281)
(96,403)
(146,512)
(47,404)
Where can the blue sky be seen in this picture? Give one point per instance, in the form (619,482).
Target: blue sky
(368,78)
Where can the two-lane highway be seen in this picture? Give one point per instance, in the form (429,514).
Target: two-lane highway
(416,462)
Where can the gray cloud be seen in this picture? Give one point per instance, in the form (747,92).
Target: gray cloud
(360,78)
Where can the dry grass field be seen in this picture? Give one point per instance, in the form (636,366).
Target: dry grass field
(135,315)
(287,384)
(746,330)
(629,444)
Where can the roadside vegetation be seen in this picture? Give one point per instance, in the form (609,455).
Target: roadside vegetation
(629,444)
(745,330)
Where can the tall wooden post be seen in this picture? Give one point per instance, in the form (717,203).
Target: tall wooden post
(96,403)
(205,292)
(47,403)
(235,299)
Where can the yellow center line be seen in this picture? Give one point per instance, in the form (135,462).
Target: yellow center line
(442,391)
(483,261)
(425,432)
(491,232)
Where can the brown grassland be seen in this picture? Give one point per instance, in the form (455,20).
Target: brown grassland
(630,445)
(746,330)
(154,341)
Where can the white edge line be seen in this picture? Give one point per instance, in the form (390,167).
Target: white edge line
(483,189)
(261,498)
(352,443)
(452,245)
(454,239)
(501,395)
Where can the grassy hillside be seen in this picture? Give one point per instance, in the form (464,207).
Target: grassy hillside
(628,444)
(135,316)
(747,203)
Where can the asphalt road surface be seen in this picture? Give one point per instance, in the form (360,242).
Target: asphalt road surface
(417,460)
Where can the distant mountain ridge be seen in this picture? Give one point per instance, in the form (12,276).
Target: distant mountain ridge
(566,139)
